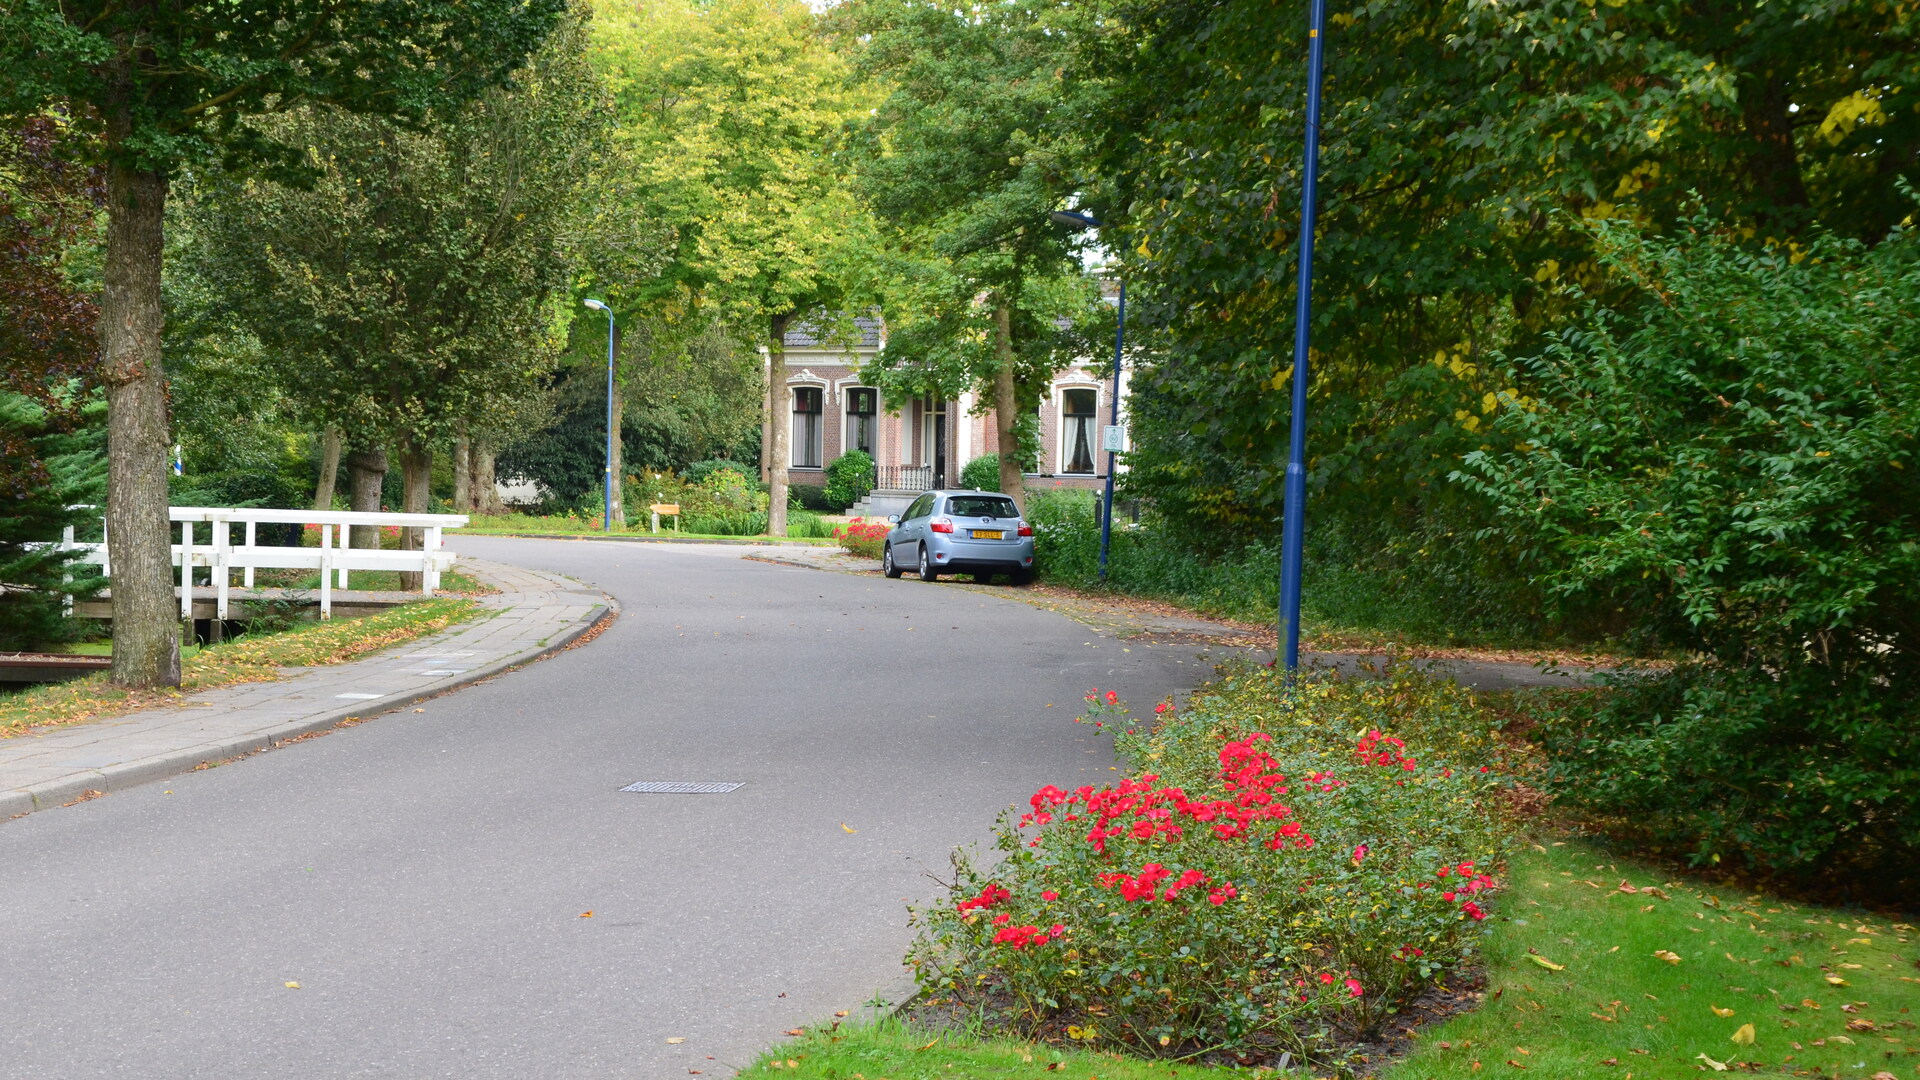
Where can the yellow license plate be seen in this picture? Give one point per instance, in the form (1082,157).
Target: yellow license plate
(989,534)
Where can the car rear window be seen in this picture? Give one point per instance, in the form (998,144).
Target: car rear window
(998,506)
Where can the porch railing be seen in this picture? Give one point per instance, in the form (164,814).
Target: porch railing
(904,478)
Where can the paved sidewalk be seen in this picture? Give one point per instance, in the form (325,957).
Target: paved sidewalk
(534,614)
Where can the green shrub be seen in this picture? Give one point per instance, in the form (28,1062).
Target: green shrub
(982,473)
(1729,454)
(1267,875)
(849,477)
(699,471)
(1788,773)
(48,469)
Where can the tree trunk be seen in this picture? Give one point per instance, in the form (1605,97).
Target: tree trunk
(462,476)
(146,614)
(329,469)
(1773,162)
(486,496)
(616,448)
(779,426)
(366,475)
(1006,406)
(416,468)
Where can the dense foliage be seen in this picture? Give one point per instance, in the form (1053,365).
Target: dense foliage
(849,477)
(1269,874)
(1732,455)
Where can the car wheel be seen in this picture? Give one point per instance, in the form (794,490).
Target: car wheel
(927,572)
(887,565)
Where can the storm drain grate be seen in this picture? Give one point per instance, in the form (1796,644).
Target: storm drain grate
(680,787)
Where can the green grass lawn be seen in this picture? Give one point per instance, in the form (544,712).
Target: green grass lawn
(1582,982)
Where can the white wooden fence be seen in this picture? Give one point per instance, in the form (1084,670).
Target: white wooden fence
(333,560)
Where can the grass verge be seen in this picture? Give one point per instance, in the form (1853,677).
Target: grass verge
(250,659)
(892,1050)
(1674,979)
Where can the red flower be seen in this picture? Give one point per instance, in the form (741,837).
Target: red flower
(1353,987)
(1326,978)
(1162,707)
(1359,854)
(1049,895)
(1223,894)
(1113,698)
(1473,910)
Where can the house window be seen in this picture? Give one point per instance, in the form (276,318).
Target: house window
(1076,431)
(862,404)
(806,427)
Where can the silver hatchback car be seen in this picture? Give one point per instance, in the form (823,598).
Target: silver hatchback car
(960,532)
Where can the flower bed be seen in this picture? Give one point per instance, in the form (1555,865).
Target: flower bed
(862,537)
(1268,879)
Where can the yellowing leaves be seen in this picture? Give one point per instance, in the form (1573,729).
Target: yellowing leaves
(1862,107)
(1720,1012)
(1743,1035)
(1668,955)
(1546,963)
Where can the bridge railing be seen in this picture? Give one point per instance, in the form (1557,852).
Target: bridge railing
(333,558)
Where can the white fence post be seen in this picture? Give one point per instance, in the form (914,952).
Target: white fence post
(186,569)
(222,552)
(246,580)
(326,569)
(430,577)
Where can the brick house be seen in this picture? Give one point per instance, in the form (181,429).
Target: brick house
(922,443)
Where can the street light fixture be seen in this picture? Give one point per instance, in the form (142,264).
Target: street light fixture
(1088,221)
(606,496)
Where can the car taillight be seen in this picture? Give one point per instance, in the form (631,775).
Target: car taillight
(941,525)
(1025,530)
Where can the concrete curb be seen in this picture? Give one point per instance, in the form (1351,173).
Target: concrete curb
(68,789)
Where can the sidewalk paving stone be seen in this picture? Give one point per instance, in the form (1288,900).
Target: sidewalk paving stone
(534,614)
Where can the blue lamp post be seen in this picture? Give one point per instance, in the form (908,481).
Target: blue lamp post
(1088,221)
(1293,526)
(606,497)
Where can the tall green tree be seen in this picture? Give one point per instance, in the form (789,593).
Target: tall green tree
(1460,142)
(730,120)
(411,289)
(977,140)
(171,84)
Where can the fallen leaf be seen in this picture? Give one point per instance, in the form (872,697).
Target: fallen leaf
(1718,1011)
(848,827)
(1810,1003)
(1515,1064)
(1609,1061)
(1744,1036)
(1840,1039)
(929,1046)
(1667,955)
(796,1031)
(1860,1025)
(1546,963)
(292,985)
(1835,980)
(677,1039)
(586,914)
(842,1012)
(1716,1066)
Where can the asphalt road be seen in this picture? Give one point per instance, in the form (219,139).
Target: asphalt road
(423,876)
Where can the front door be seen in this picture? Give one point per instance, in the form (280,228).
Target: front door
(940,445)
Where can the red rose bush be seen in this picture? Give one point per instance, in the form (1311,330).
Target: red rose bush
(1265,879)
